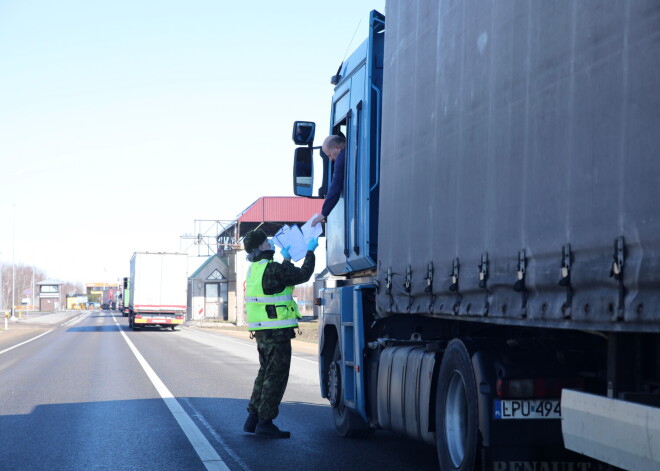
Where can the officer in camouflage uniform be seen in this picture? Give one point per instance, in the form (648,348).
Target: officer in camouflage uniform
(272,315)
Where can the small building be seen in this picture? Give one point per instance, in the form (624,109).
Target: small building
(50,296)
(210,291)
(105,292)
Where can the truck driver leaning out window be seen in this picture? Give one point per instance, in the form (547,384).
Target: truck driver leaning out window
(334,147)
(272,316)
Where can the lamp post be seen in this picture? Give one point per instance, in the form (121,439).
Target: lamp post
(13,263)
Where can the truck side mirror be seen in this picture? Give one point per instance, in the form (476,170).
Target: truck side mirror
(303,133)
(303,172)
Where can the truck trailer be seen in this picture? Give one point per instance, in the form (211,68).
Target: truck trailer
(496,248)
(157,289)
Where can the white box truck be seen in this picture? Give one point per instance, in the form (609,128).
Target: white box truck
(158,284)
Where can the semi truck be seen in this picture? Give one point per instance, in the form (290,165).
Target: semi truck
(496,248)
(157,289)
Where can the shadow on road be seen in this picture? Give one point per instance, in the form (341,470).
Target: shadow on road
(142,434)
(93,328)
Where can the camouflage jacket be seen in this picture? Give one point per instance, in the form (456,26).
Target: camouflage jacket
(280,275)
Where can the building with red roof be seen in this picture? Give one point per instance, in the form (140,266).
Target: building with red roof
(268,213)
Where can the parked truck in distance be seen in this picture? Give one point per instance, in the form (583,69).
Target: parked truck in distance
(126,310)
(157,289)
(496,247)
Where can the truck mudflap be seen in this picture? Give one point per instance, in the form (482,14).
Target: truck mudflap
(621,433)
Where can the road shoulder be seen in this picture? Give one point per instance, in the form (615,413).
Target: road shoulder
(296,345)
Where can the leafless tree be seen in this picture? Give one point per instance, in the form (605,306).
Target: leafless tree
(26,279)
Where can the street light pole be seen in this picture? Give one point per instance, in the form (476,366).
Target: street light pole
(13,263)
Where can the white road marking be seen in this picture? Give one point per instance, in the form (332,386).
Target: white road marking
(215,434)
(75,320)
(27,341)
(206,452)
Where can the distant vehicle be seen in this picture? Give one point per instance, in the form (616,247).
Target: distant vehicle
(105,306)
(126,310)
(157,289)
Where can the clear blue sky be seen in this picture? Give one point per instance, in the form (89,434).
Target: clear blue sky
(122,122)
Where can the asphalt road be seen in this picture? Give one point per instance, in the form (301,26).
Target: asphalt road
(82,391)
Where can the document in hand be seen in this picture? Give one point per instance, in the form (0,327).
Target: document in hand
(296,239)
(310,232)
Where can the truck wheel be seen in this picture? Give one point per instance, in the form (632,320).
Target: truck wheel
(456,415)
(348,424)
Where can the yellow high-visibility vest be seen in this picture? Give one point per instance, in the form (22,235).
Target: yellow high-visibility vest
(256,301)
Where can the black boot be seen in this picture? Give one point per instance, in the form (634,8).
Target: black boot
(267,429)
(251,423)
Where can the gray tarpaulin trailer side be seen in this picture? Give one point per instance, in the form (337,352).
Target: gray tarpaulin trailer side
(534,145)
(526,186)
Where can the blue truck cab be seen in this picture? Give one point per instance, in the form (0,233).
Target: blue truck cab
(351,227)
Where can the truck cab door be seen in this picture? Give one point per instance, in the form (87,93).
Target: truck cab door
(352,226)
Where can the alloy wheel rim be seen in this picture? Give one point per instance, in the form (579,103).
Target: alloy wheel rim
(333,384)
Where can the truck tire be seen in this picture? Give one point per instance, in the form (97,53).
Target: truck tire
(457,413)
(348,424)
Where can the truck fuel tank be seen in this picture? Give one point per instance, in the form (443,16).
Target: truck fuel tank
(405,379)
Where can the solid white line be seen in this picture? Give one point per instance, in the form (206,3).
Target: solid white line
(215,434)
(206,452)
(243,342)
(75,320)
(27,341)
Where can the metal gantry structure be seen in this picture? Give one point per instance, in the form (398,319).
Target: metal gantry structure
(211,236)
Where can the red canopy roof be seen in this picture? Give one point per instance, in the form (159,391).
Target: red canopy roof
(286,209)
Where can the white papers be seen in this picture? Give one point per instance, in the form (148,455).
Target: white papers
(296,239)
(292,237)
(310,232)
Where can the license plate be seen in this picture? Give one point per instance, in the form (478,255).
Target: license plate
(527,409)
(158,321)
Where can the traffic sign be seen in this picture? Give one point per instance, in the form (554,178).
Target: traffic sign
(28,292)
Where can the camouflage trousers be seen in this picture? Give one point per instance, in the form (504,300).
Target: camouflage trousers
(274,348)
